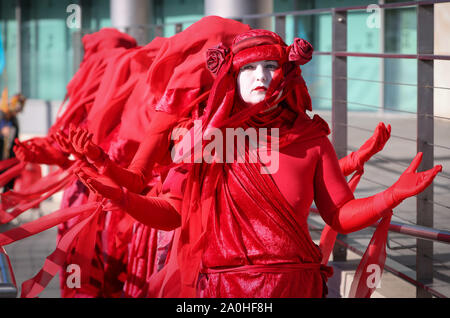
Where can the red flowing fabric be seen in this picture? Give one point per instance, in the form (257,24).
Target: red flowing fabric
(199,205)
(210,192)
(183,83)
(100,49)
(374,255)
(53,263)
(7,163)
(11,173)
(42,224)
(19,202)
(112,110)
(31,288)
(29,176)
(184,54)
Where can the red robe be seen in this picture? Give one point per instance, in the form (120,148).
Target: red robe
(243,237)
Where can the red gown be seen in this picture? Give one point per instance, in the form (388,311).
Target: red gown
(244,233)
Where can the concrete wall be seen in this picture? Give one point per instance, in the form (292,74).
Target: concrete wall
(37,117)
(236,8)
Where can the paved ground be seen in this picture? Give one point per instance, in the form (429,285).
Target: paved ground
(384,169)
(28,255)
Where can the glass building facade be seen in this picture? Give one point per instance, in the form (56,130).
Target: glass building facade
(46,59)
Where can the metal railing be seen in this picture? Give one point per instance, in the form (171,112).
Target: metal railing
(423,231)
(7,286)
(418,231)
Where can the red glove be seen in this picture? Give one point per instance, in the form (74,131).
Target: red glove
(42,151)
(64,143)
(360,213)
(410,183)
(154,149)
(81,141)
(356,160)
(99,184)
(156,212)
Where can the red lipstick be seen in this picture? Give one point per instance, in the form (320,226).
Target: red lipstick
(260,88)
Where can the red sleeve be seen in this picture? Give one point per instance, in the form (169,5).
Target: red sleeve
(154,149)
(335,200)
(349,164)
(331,190)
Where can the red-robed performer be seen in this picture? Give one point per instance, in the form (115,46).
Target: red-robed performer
(149,247)
(243,233)
(177,80)
(103,51)
(184,83)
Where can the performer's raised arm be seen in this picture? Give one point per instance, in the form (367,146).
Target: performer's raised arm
(42,151)
(355,214)
(158,212)
(154,149)
(356,160)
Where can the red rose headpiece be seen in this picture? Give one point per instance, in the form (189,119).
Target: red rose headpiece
(256,45)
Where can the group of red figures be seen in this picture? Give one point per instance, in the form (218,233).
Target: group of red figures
(139,224)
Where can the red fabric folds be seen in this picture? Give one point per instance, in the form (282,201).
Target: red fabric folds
(7,163)
(32,287)
(15,203)
(42,224)
(11,173)
(372,262)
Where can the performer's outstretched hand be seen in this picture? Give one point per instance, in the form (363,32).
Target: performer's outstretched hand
(81,141)
(99,184)
(375,143)
(360,213)
(64,143)
(155,212)
(410,182)
(40,150)
(356,160)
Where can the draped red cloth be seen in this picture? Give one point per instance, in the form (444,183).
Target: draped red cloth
(232,212)
(106,96)
(15,203)
(100,49)
(251,208)
(175,77)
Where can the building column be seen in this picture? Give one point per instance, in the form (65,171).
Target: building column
(237,8)
(133,17)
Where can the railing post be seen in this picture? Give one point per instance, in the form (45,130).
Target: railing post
(78,50)
(339,97)
(280,26)
(7,287)
(425,140)
(178,27)
(158,30)
(18,13)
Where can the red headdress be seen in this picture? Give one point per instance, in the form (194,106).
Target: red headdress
(251,46)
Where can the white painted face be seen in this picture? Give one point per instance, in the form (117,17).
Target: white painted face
(254,79)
